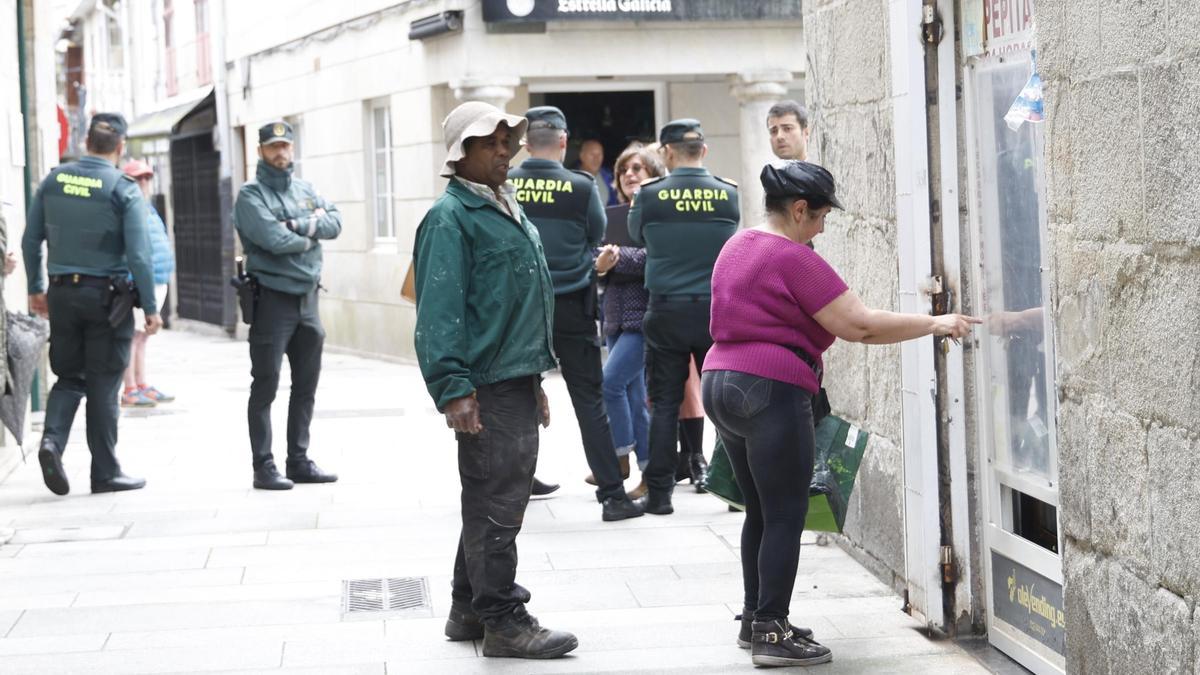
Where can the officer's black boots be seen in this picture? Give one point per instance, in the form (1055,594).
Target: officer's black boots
(658,503)
(519,636)
(307,471)
(541,489)
(774,643)
(620,508)
(118,483)
(268,478)
(463,624)
(52,470)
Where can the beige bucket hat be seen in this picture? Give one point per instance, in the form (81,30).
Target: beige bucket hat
(475,119)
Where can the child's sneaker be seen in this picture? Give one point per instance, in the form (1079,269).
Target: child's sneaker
(156,395)
(134,398)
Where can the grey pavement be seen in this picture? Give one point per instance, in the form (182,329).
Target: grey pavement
(200,573)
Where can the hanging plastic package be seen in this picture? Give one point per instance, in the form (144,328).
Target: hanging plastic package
(1029,106)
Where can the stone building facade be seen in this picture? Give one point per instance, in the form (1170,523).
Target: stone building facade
(1123,87)
(1108,299)
(848,85)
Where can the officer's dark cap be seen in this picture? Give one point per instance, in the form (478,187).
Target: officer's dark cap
(273,132)
(546,117)
(679,131)
(802,180)
(110,122)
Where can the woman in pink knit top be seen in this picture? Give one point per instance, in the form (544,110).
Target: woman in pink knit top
(776,307)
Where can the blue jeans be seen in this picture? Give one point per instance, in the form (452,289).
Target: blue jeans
(625,395)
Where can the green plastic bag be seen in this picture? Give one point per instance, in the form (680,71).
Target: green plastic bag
(839,451)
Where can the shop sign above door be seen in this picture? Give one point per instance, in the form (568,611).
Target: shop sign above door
(1010,25)
(517,11)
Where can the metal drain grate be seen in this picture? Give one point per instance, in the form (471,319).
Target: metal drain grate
(392,595)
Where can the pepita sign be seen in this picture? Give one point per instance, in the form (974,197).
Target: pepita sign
(1009,25)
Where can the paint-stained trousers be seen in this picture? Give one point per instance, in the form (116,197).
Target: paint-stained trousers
(496,470)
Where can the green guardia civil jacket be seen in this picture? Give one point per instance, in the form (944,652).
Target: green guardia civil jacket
(485,301)
(94,222)
(281,259)
(565,208)
(683,220)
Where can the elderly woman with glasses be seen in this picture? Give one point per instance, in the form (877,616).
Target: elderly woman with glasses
(622,267)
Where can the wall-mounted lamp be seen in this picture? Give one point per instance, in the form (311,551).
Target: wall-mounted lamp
(438,24)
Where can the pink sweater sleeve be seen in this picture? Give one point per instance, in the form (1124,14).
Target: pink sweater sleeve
(812,281)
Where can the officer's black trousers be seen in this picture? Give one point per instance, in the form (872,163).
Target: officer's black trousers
(283,324)
(675,332)
(496,470)
(577,344)
(89,357)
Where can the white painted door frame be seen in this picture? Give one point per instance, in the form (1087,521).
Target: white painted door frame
(922,527)
(922,519)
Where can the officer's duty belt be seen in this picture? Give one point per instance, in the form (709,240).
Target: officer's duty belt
(79,280)
(680,298)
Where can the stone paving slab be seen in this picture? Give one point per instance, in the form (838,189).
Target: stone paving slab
(83,580)
(200,573)
(215,637)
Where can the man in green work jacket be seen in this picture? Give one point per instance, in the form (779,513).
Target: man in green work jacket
(485,309)
(93,220)
(565,207)
(281,221)
(683,220)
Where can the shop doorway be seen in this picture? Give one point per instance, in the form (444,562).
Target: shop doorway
(615,118)
(1015,373)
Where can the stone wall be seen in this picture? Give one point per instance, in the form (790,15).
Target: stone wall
(1122,89)
(848,90)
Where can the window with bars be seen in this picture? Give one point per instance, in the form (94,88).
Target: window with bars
(203,55)
(297,144)
(382,210)
(168,18)
(114,36)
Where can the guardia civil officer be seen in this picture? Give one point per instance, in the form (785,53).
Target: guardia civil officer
(683,220)
(281,221)
(565,207)
(93,220)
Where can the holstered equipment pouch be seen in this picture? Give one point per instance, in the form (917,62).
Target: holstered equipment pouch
(247,291)
(122,298)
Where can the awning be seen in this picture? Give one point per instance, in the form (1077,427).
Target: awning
(161,122)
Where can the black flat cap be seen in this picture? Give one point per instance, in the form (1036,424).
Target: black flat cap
(794,178)
(677,131)
(546,117)
(273,132)
(114,122)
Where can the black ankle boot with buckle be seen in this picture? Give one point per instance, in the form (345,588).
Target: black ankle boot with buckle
(774,643)
(746,619)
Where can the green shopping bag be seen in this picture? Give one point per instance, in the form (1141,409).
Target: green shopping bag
(839,452)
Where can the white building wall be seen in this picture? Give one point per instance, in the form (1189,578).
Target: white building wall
(42,143)
(307,68)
